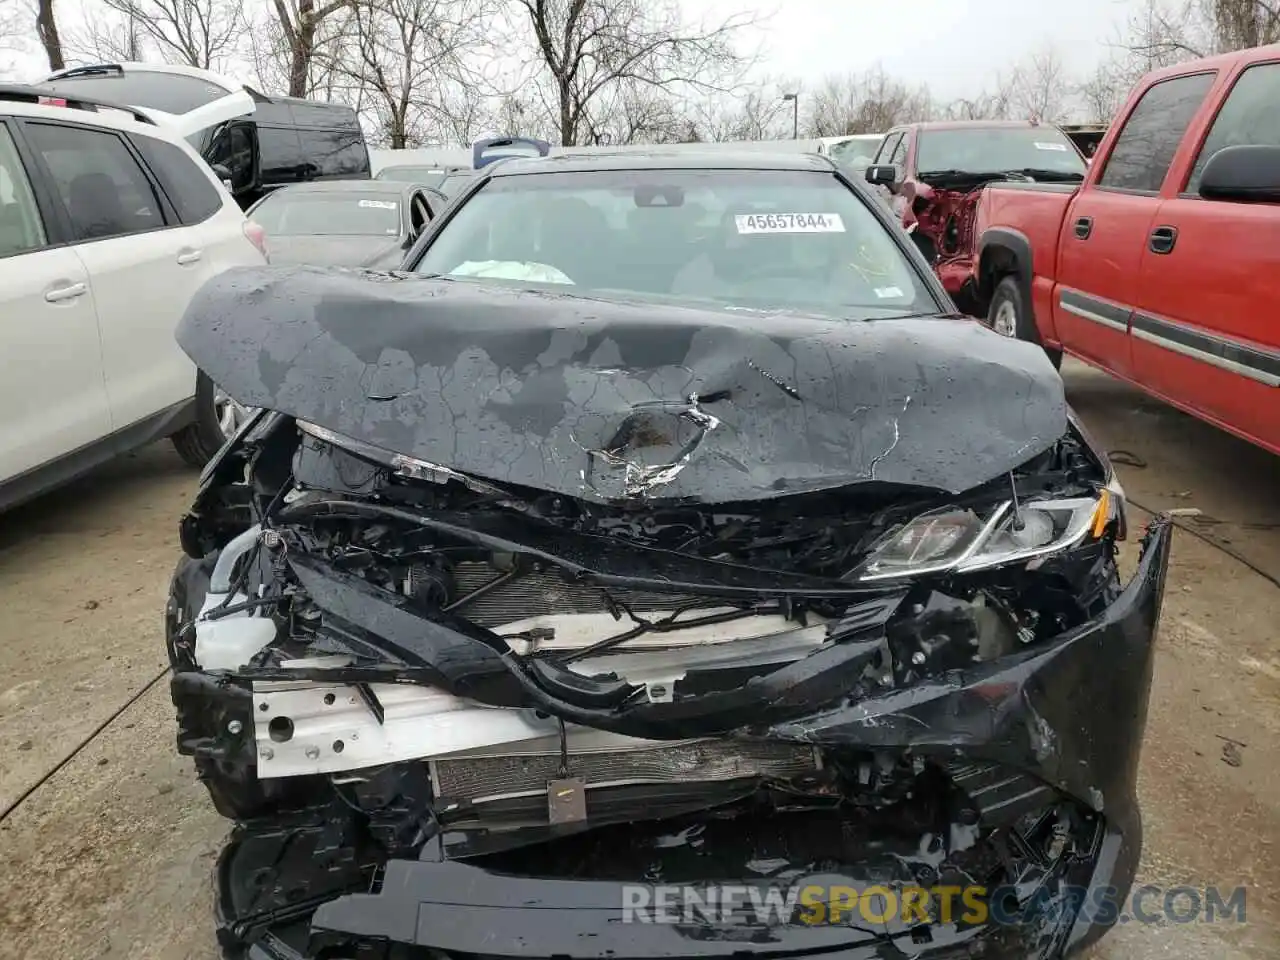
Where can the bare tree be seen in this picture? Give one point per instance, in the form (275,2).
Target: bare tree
(298,41)
(518,114)
(1105,90)
(107,37)
(1040,87)
(47,31)
(12,32)
(589,50)
(864,103)
(1170,31)
(409,57)
(199,33)
(636,113)
(755,113)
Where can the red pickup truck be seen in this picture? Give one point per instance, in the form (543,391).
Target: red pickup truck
(935,173)
(1161,267)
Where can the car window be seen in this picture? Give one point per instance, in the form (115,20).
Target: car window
(279,154)
(794,240)
(427,176)
(899,157)
(190,191)
(455,183)
(333,153)
(314,213)
(149,89)
(1248,117)
(233,148)
(855,154)
(101,186)
(887,147)
(1141,155)
(992,150)
(20,226)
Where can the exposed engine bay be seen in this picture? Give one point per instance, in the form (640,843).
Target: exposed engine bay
(419,689)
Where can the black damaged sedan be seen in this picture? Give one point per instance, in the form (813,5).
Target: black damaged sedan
(658,531)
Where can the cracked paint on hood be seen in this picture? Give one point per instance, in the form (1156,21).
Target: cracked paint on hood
(612,401)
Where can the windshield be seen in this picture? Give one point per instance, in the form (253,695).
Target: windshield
(170,92)
(791,240)
(856,153)
(427,176)
(998,150)
(308,213)
(454,182)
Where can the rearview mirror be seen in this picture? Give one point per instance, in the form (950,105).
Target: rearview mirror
(882,174)
(222,173)
(1245,173)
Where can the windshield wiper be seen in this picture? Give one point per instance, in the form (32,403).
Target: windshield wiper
(1040,173)
(951,174)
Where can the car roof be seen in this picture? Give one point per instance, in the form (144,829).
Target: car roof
(349,186)
(978,125)
(23,100)
(657,160)
(141,67)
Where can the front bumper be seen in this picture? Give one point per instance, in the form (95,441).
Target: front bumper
(1065,720)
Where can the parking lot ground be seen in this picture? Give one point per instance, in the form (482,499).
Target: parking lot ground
(110,855)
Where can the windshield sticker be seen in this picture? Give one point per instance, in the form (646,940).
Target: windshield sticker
(885,293)
(1059,147)
(379,204)
(789,223)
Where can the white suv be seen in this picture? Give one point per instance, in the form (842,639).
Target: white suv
(109,223)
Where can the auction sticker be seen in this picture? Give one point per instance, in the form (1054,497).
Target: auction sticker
(379,204)
(1058,147)
(789,223)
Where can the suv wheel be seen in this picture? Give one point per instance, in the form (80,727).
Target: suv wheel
(217,419)
(1008,316)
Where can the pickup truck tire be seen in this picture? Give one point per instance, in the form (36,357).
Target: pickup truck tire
(197,442)
(1009,316)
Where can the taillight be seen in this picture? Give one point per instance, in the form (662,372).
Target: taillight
(51,101)
(257,236)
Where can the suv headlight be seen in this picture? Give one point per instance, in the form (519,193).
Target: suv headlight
(960,541)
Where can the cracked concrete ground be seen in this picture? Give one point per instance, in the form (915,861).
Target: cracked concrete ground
(111,855)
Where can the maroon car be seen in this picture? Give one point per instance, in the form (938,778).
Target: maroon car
(936,171)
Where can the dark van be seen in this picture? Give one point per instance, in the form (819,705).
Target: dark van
(259,142)
(284,141)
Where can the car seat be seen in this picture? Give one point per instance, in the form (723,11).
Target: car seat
(14,230)
(93,200)
(577,240)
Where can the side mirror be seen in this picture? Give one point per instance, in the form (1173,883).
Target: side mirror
(882,174)
(222,173)
(1246,173)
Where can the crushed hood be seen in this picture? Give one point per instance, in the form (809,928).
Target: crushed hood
(609,401)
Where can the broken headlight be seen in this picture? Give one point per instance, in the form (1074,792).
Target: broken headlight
(960,540)
(398,463)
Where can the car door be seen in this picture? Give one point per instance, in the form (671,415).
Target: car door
(52,397)
(1205,328)
(143,266)
(1102,242)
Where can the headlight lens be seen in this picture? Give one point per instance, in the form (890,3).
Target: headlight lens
(961,541)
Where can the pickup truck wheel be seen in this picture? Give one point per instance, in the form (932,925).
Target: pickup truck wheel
(217,418)
(1008,316)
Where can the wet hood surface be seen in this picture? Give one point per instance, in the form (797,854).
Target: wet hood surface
(609,401)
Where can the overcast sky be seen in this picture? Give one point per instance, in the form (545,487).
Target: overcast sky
(955,46)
